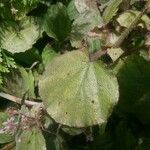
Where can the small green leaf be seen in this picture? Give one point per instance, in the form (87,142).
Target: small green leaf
(84,23)
(94,44)
(76,92)
(72,131)
(48,54)
(28,57)
(57,23)
(111,10)
(82,6)
(72,11)
(31,140)
(115,53)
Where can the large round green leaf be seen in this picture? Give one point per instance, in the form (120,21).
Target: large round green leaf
(22,38)
(77,92)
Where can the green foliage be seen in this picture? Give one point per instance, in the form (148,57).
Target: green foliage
(6,63)
(88,18)
(22,38)
(56,22)
(111,10)
(19,81)
(32,139)
(89,90)
(74,75)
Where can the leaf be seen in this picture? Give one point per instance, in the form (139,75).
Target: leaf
(134,82)
(19,81)
(145,145)
(147,40)
(31,139)
(87,19)
(104,1)
(94,44)
(29,57)
(72,11)
(48,54)
(76,92)
(126,18)
(84,23)
(1,56)
(1,80)
(6,63)
(57,23)
(4,138)
(127,140)
(82,6)
(21,39)
(145,54)
(72,131)
(22,7)
(111,10)
(114,53)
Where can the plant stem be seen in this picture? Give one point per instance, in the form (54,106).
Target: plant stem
(9,146)
(18,100)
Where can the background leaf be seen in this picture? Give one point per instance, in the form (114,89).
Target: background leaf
(57,23)
(111,10)
(22,38)
(32,139)
(128,17)
(19,81)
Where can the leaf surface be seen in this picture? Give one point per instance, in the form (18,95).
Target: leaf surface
(111,10)
(77,92)
(19,81)
(32,140)
(134,82)
(57,23)
(22,38)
